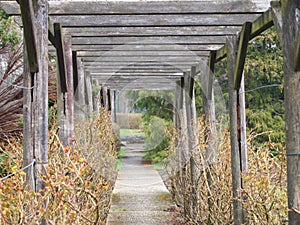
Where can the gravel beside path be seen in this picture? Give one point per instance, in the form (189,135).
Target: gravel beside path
(140,196)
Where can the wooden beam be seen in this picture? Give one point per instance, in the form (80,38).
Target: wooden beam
(124,53)
(142,59)
(165,40)
(241,54)
(28,21)
(159,20)
(152,31)
(149,7)
(221,53)
(147,47)
(58,40)
(262,23)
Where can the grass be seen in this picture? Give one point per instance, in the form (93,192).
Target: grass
(131,132)
(120,158)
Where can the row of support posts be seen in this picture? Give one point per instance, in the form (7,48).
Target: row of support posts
(35,20)
(288,27)
(74,89)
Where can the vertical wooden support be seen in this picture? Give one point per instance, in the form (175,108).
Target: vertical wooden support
(70,86)
(89,94)
(40,93)
(190,136)
(108,100)
(235,151)
(96,98)
(291,28)
(80,105)
(114,106)
(28,154)
(209,111)
(30,35)
(208,102)
(61,85)
(243,127)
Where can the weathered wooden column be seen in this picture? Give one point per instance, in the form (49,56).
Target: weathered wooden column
(109,102)
(232,48)
(70,86)
(40,93)
(28,154)
(208,103)
(89,94)
(291,49)
(61,85)
(190,135)
(96,97)
(114,104)
(80,109)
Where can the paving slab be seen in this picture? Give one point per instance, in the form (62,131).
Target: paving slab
(139,196)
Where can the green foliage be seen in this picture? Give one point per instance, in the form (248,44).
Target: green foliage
(157,141)
(9,35)
(157,108)
(263,85)
(265,106)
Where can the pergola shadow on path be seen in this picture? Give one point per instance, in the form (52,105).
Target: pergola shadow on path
(154,45)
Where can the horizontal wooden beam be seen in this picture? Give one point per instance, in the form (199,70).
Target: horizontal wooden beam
(152,31)
(262,23)
(134,71)
(123,75)
(149,40)
(146,7)
(168,59)
(168,20)
(144,47)
(156,53)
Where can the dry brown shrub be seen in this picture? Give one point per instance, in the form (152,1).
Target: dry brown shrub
(264,185)
(76,193)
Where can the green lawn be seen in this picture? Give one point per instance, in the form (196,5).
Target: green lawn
(131,132)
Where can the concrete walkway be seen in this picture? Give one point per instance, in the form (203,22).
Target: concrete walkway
(140,196)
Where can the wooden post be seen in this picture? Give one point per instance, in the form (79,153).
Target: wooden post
(208,102)
(291,27)
(89,95)
(190,136)
(96,98)
(243,127)
(108,100)
(70,86)
(61,85)
(40,93)
(232,48)
(114,106)
(80,106)
(28,154)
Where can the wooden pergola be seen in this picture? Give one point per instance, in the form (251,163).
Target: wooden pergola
(161,45)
